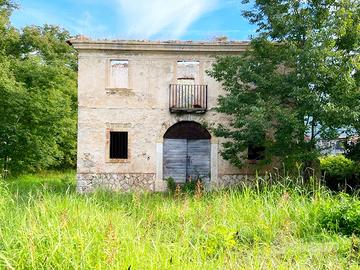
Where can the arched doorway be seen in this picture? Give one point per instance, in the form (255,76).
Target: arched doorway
(187,151)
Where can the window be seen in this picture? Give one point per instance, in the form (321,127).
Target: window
(188,72)
(256,152)
(118,145)
(119,74)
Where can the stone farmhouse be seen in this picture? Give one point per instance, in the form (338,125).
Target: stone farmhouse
(143,111)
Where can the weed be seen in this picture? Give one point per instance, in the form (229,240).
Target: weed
(45,224)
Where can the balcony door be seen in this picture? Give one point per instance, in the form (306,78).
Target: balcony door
(187,152)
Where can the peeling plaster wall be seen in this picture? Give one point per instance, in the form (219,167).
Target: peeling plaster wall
(142,110)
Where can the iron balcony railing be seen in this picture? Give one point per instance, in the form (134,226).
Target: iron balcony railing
(188,98)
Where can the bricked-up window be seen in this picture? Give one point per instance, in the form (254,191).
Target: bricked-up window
(119,74)
(188,72)
(118,145)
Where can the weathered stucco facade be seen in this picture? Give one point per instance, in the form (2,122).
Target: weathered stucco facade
(140,107)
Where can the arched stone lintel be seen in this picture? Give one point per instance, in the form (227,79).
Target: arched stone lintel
(187,130)
(181,118)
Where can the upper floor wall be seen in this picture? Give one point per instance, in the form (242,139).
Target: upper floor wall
(137,74)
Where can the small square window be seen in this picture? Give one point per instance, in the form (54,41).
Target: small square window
(118,145)
(256,152)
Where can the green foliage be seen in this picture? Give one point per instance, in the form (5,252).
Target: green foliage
(190,186)
(343,217)
(193,185)
(220,240)
(297,84)
(338,166)
(45,224)
(352,150)
(38,84)
(340,171)
(171,185)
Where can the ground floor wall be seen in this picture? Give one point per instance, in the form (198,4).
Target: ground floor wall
(88,182)
(143,170)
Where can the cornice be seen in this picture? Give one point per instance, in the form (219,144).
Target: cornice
(172,46)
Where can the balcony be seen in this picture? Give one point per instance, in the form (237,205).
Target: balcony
(188,98)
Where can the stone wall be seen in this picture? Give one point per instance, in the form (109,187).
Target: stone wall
(89,182)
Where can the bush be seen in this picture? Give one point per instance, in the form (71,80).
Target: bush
(343,218)
(190,186)
(340,172)
(171,185)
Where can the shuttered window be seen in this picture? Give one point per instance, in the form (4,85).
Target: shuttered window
(118,145)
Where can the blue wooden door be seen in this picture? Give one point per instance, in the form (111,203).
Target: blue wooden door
(186,158)
(175,159)
(198,165)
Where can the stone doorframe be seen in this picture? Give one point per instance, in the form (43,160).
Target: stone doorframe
(160,184)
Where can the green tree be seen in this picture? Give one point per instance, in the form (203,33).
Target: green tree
(38,96)
(298,83)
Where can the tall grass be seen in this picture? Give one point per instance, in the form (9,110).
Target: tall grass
(45,224)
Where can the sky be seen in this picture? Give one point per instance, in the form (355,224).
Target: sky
(139,19)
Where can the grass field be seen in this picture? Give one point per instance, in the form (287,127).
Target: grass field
(45,224)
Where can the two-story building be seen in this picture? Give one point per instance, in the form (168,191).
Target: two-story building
(143,111)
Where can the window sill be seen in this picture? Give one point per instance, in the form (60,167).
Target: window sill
(120,91)
(117,89)
(118,161)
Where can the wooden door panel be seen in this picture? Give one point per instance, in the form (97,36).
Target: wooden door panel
(175,155)
(198,152)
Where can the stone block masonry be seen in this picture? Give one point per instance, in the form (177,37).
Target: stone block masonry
(89,182)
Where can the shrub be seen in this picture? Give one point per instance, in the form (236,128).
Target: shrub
(171,185)
(190,186)
(342,217)
(340,171)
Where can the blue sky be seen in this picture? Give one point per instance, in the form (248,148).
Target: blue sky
(139,19)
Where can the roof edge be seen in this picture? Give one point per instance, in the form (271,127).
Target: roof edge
(83,43)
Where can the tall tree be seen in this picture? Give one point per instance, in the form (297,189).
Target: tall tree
(298,83)
(38,96)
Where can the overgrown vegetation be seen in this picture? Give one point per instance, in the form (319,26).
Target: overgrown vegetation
(297,85)
(343,217)
(45,224)
(38,79)
(352,149)
(340,173)
(190,186)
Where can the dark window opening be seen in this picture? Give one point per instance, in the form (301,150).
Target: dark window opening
(118,145)
(256,152)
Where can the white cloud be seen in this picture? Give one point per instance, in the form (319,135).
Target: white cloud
(146,19)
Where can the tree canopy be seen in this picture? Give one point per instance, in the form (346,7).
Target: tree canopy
(38,96)
(298,83)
